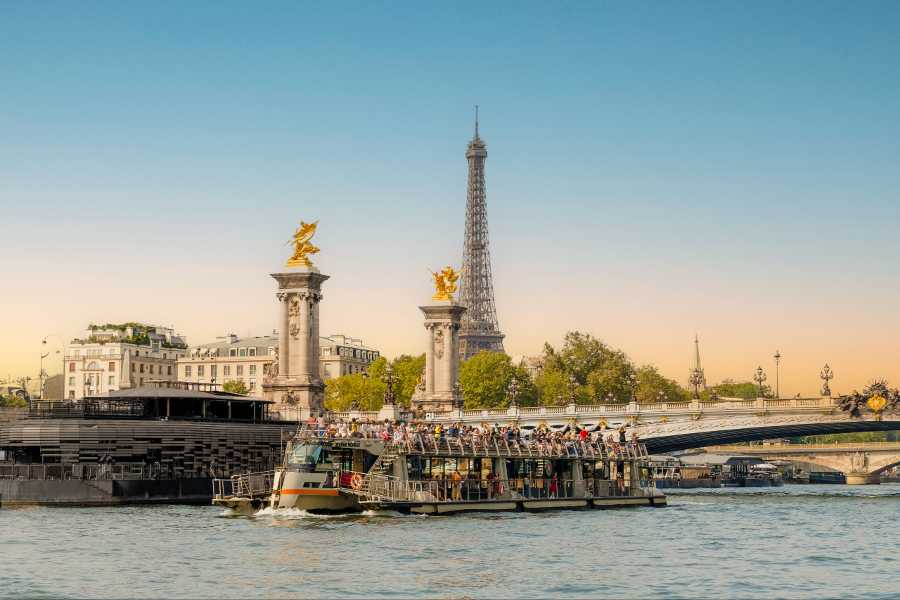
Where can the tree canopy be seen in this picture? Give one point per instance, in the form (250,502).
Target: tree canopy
(485,378)
(235,386)
(365,391)
(594,373)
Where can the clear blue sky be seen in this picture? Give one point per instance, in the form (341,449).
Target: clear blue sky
(654,168)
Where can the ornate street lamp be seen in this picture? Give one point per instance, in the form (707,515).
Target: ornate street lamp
(389,390)
(777,358)
(572,383)
(512,392)
(826,375)
(759,378)
(632,384)
(696,380)
(610,399)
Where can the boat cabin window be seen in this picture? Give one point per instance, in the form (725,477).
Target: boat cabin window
(305,454)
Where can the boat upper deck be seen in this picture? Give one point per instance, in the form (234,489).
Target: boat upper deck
(481,446)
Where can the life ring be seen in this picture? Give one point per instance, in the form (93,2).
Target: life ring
(356,481)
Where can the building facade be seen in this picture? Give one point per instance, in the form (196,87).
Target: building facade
(249,360)
(116,357)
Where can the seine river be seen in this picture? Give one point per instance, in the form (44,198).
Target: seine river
(791,542)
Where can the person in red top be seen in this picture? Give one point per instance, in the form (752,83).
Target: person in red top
(582,435)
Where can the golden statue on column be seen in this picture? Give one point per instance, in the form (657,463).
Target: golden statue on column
(302,246)
(445,283)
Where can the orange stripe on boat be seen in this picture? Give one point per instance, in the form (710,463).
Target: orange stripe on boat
(310,492)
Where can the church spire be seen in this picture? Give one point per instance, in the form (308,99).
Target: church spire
(698,377)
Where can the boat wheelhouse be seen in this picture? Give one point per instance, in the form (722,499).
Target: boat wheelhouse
(427,474)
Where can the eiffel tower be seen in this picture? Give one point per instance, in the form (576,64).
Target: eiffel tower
(479,329)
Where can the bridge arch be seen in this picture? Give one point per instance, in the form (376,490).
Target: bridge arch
(722,433)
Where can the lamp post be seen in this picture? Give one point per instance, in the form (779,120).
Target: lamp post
(759,378)
(777,358)
(43,375)
(389,390)
(632,384)
(572,384)
(512,392)
(696,380)
(826,375)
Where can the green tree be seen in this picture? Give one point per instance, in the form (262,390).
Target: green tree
(485,378)
(235,386)
(13,401)
(736,389)
(552,386)
(354,391)
(653,387)
(601,374)
(407,371)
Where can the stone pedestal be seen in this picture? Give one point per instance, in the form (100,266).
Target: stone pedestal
(294,383)
(440,390)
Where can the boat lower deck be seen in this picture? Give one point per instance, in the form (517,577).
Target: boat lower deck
(518,505)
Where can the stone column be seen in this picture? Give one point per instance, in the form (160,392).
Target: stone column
(298,384)
(429,359)
(448,380)
(284,359)
(440,393)
(303,349)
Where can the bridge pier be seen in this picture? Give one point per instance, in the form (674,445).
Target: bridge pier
(863,479)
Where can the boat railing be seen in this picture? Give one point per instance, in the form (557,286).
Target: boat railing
(247,485)
(387,488)
(488,446)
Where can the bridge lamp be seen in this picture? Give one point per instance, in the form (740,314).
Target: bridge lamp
(759,378)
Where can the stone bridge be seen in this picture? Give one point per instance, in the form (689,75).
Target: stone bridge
(670,426)
(861,462)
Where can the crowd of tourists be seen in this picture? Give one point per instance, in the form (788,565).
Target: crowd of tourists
(430,436)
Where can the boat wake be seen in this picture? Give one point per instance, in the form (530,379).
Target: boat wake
(296,513)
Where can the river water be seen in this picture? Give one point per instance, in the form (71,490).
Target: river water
(791,542)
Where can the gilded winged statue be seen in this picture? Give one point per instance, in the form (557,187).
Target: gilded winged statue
(445,284)
(302,245)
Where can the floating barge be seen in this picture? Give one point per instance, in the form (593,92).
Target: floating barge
(425,475)
(143,445)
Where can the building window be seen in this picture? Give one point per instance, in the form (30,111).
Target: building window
(252,351)
(242,352)
(141,369)
(111,380)
(252,384)
(132,367)
(213,371)
(226,370)
(232,352)
(71,381)
(199,370)
(71,367)
(252,370)
(71,394)
(111,367)
(240,370)
(169,370)
(187,370)
(151,369)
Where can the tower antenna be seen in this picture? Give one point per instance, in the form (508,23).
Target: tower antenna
(476,120)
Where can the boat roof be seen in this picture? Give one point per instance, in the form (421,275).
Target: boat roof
(150,392)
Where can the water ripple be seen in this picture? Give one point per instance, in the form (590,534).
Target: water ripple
(792,542)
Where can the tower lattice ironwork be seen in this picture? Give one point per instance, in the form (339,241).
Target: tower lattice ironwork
(479,329)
